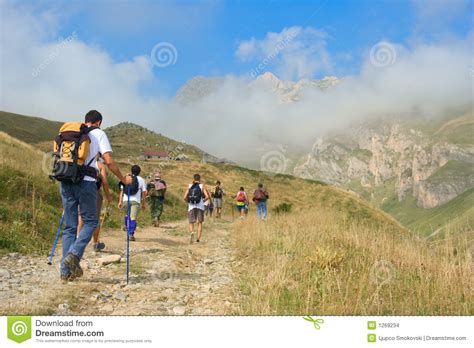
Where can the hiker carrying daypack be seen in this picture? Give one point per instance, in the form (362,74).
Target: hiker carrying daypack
(218,192)
(195,194)
(134,186)
(260,195)
(71,149)
(241,196)
(136,199)
(156,188)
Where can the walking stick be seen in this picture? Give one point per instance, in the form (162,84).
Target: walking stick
(104,216)
(128,232)
(50,261)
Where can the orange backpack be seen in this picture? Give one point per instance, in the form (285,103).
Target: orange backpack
(71,148)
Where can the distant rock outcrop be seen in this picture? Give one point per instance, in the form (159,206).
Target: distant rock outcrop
(432,166)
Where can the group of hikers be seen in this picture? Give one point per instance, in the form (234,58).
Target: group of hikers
(82,153)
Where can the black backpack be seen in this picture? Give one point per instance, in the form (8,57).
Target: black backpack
(218,193)
(195,194)
(134,186)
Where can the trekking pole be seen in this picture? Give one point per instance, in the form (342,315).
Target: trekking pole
(128,231)
(50,261)
(104,216)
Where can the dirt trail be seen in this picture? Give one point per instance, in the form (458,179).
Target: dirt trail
(168,277)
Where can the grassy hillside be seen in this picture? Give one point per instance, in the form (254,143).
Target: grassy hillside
(316,262)
(458,214)
(130,140)
(32,203)
(31,130)
(322,250)
(30,207)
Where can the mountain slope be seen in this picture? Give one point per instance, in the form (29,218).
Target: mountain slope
(393,163)
(130,141)
(29,129)
(317,237)
(28,193)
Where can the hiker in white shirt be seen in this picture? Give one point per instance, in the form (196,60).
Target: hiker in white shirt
(195,196)
(137,199)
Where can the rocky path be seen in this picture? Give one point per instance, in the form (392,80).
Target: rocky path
(168,277)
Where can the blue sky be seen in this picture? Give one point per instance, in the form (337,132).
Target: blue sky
(206,34)
(397,58)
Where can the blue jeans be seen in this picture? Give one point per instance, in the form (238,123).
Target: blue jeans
(262,210)
(81,196)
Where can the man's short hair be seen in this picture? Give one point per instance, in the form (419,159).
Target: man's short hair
(218,182)
(197,177)
(93,116)
(260,185)
(136,170)
(242,188)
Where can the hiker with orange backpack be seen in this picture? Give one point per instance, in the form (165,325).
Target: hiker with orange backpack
(242,202)
(136,198)
(260,197)
(76,150)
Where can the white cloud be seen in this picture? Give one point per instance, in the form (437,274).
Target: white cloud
(432,80)
(293,53)
(64,78)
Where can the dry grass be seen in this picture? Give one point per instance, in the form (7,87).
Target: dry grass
(316,262)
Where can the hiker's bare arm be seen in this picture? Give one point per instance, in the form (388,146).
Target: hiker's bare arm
(186,195)
(120,203)
(206,193)
(144,195)
(109,161)
(105,183)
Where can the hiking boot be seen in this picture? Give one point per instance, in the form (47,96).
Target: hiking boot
(71,261)
(66,278)
(99,246)
(131,238)
(191,238)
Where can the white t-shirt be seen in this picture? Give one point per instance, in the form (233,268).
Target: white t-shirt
(199,205)
(137,197)
(99,145)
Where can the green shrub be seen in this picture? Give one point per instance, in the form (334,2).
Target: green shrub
(283,208)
